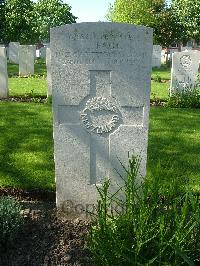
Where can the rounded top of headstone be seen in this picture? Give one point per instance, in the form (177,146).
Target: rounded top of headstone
(103,25)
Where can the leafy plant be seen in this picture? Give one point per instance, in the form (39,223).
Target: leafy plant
(10,219)
(185,99)
(150,229)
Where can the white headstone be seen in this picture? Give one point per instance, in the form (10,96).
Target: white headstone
(101,75)
(14,52)
(184,48)
(37,53)
(3,73)
(156,56)
(26,59)
(48,65)
(184,71)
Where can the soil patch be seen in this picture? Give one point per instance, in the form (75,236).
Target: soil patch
(44,239)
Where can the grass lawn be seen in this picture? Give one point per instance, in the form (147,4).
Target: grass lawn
(160,90)
(26,145)
(174,145)
(33,86)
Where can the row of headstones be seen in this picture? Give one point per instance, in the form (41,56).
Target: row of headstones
(159,56)
(101,76)
(23,55)
(185,66)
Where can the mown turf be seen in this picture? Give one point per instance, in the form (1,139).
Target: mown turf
(26,145)
(160,83)
(174,144)
(33,86)
(160,90)
(30,86)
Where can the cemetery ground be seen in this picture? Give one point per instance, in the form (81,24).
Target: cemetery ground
(27,165)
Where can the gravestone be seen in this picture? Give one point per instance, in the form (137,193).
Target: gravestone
(101,75)
(184,48)
(48,65)
(26,59)
(43,52)
(156,56)
(184,71)
(3,73)
(14,52)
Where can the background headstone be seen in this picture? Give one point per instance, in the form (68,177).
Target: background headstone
(3,73)
(14,52)
(184,71)
(26,59)
(156,56)
(101,75)
(48,65)
(43,52)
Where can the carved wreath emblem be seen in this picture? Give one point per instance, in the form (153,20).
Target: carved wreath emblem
(186,61)
(100,115)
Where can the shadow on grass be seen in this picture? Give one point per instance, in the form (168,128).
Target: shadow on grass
(174,146)
(26,146)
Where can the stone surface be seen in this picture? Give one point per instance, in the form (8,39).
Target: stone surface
(43,52)
(156,56)
(101,90)
(26,59)
(14,52)
(184,71)
(48,65)
(3,73)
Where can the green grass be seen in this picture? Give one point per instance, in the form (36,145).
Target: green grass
(163,72)
(40,68)
(174,144)
(160,90)
(31,86)
(34,86)
(26,146)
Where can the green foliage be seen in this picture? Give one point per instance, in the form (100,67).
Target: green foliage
(150,229)
(50,14)
(29,22)
(167,30)
(2,20)
(188,17)
(158,79)
(185,99)
(133,11)
(19,21)
(10,219)
(154,14)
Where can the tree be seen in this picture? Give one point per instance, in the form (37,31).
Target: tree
(49,14)
(188,14)
(152,13)
(139,12)
(167,30)
(2,20)
(19,21)
(28,22)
